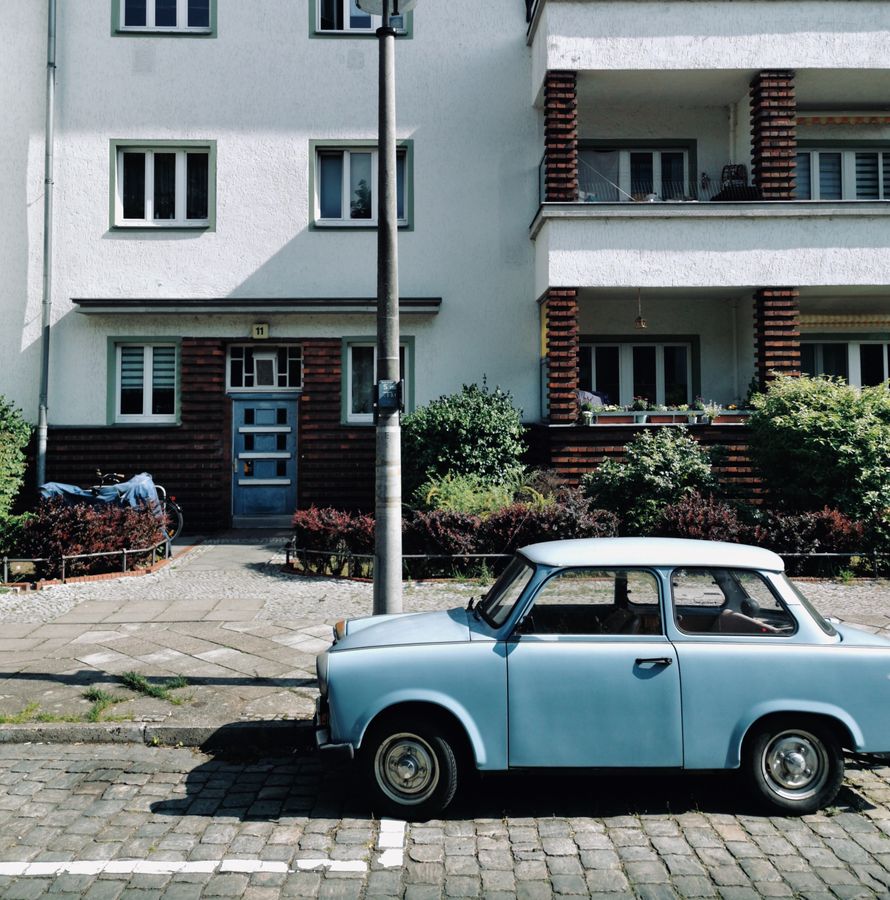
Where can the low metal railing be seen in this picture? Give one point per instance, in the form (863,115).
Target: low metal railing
(126,555)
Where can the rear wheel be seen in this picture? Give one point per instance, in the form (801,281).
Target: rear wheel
(795,766)
(174,519)
(411,767)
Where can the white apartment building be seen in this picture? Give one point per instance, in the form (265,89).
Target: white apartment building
(719,168)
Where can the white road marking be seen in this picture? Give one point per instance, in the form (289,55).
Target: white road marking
(390,841)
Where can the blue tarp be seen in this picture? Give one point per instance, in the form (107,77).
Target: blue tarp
(138,491)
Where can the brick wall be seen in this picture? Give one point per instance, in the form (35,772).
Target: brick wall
(776,333)
(773,134)
(561,311)
(560,137)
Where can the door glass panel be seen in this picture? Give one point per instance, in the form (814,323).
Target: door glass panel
(641,175)
(165,185)
(280,442)
(829,176)
(598,175)
(330,176)
(644,373)
(199,13)
(134,13)
(362,380)
(867,176)
(280,468)
(606,371)
(672,181)
(249,416)
(248,442)
(165,13)
(360,185)
(676,377)
(871,364)
(196,185)
(281,416)
(134,186)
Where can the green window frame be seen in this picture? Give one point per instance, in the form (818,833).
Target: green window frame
(326,15)
(191,18)
(358,373)
(143,383)
(342,164)
(183,166)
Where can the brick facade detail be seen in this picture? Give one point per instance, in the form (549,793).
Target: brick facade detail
(561,312)
(560,137)
(776,333)
(335,464)
(774,134)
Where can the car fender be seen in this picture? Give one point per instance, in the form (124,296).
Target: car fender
(788,707)
(432,698)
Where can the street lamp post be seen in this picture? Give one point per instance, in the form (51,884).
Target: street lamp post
(388,462)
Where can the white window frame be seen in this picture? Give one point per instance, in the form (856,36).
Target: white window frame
(625,187)
(368,418)
(376,21)
(848,172)
(180,220)
(626,371)
(147,386)
(854,360)
(344,219)
(182,10)
(261,350)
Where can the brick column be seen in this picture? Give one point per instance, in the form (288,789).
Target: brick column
(773,134)
(776,333)
(561,309)
(560,137)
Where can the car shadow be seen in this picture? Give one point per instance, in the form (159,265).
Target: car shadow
(248,786)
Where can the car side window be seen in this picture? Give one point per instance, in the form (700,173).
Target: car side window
(584,601)
(727,601)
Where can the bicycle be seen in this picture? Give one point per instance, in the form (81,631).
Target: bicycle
(172,511)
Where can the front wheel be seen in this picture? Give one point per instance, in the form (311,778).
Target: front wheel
(411,768)
(795,768)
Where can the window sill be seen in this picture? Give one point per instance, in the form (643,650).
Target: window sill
(352,225)
(146,423)
(164,32)
(151,226)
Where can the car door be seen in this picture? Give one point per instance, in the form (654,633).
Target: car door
(592,678)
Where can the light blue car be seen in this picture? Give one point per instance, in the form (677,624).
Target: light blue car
(601,653)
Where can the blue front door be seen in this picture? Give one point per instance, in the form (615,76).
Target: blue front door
(264,457)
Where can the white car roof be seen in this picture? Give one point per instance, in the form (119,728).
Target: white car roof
(611,552)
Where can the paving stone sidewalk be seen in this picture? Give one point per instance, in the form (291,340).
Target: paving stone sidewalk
(227,618)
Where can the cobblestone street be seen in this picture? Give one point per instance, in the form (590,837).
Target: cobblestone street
(140,822)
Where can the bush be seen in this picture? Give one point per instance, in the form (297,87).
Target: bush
(571,516)
(659,467)
(334,536)
(704,518)
(15,433)
(819,442)
(474,432)
(822,531)
(469,494)
(58,528)
(441,532)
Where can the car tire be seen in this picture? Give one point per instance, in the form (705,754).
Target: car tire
(794,766)
(411,767)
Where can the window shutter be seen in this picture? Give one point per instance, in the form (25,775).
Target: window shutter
(867,176)
(163,380)
(132,380)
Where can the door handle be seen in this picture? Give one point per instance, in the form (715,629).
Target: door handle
(655,660)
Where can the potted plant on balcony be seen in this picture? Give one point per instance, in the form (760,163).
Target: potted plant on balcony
(640,408)
(587,413)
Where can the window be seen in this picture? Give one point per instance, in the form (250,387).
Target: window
(345,15)
(841,174)
(590,601)
(164,186)
(265,368)
(618,372)
(613,175)
(861,363)
(184,16)
(145,383)
(728,601)
(346,186)
(360,375)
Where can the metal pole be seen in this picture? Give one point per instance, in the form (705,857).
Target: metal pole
(46,315)
(388,480)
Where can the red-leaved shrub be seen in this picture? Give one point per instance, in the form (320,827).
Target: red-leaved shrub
(333,536)
(57,528)
(704,518)
(824,531)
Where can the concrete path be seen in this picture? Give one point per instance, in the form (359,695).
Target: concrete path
(228,636)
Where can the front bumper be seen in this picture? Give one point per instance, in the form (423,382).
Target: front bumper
(329,750)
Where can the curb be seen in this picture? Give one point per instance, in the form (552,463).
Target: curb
(297,734)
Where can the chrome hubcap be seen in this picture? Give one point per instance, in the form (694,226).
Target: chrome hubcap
(795,764)
(406,768)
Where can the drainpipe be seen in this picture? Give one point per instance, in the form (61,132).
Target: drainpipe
(46,317)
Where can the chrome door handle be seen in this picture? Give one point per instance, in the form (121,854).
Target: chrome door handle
(655,660)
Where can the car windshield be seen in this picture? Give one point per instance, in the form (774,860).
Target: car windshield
(503,594)
(823,623)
